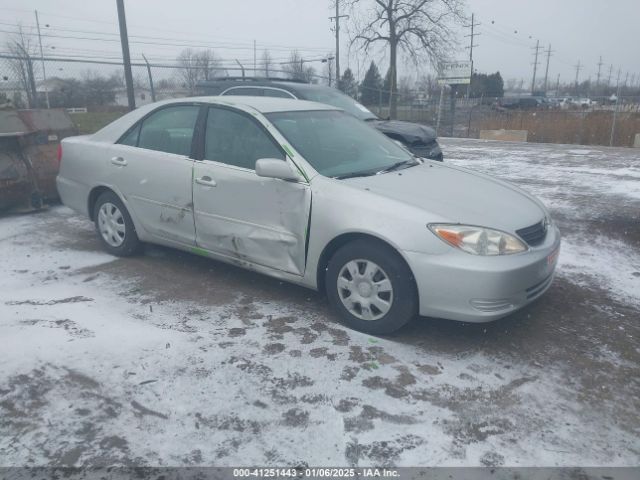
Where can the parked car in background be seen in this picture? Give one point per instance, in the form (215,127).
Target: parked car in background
(519,103)
(306,193)
(419,139)
(583,102)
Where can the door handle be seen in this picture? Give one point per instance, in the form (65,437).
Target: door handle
(119,161)
(206,181)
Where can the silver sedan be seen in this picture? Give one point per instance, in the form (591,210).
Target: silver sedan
(306,193)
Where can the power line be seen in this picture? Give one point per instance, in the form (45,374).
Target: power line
(184,42)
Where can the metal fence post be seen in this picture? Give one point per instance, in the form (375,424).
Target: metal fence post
(615,115)
(439,110)
(32,84)
(153,91)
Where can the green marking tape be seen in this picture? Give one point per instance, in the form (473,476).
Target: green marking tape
(287,149)
(199,251)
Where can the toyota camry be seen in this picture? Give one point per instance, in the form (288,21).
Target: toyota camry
(307,193)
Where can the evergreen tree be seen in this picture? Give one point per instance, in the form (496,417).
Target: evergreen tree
(348,83)
(483,85)
(386,88)
(371,86)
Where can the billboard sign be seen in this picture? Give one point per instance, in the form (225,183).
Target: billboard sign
(455,73)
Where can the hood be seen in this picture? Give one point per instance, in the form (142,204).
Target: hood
(410,132)
(455,195)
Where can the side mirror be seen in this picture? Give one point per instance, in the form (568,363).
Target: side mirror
(275,168)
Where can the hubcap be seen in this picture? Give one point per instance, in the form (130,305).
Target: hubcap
(111,224)
(365,289)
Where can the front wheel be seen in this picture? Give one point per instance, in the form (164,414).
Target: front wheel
(371,287)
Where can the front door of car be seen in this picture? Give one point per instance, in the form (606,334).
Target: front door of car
(152,168)
(242,216)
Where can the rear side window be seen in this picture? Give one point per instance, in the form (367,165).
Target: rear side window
(169,130)
(248,91)
(269,92)
(236,139)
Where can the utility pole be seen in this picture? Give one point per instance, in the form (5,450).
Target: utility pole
(546,72)
(535,67)
(470,47)
(44,71)
(599,68)
(609,78)
(558,85)
(255,63)
(126,58)
(578,68)
(626,79)
(337,19)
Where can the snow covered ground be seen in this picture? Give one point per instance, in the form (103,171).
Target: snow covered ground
(170,359)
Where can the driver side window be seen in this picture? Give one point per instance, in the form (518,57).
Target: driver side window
(236,139)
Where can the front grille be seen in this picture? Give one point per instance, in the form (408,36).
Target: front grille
(533,235)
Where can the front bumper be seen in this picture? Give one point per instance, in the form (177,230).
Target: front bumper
(460,286)
(431,151)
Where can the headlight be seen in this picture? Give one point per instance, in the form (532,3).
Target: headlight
(478,240)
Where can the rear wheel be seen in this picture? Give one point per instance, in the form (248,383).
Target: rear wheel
(114,226)
(371,287)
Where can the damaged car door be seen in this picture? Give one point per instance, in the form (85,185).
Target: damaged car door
(252,219)
(151,166)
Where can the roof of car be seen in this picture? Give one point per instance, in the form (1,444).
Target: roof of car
(261,104)
(220,85)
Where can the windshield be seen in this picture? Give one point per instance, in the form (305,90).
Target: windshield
(337,144)
(334,98)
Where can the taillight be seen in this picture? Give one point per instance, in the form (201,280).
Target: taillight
(59,153)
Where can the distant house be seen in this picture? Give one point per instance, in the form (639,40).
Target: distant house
(14,93)
(142,96)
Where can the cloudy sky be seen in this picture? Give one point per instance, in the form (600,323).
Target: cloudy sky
(578,30)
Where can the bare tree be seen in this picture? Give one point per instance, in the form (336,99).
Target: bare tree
(22,50)
(296,68)
(209,65)
(266,62)
(196,66)
(419,28)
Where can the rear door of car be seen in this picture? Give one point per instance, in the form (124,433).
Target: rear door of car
(152,168)
(238,214)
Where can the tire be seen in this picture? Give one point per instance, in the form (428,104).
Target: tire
(373,308)
(114,226)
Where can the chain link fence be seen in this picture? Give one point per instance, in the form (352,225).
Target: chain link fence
(84,85)
(32,82)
